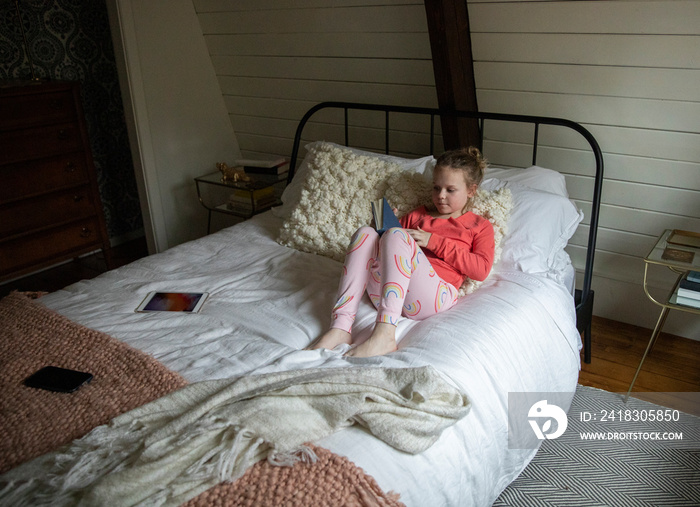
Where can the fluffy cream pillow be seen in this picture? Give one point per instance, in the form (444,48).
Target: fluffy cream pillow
(334,199)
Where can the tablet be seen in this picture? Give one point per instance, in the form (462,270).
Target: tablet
(188,302)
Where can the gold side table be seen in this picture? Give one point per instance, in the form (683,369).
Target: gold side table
(686,259)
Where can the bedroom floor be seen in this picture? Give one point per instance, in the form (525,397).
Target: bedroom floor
(617,347)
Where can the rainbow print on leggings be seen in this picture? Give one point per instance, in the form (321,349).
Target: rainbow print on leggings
(391,288)
(412,309)
(357,241)
(404,235)
(403,265)
(441,296)
(344,300)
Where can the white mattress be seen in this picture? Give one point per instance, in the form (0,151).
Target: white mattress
(267,302)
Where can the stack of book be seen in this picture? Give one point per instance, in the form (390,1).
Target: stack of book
(248,201)
(269,165)
(688,293)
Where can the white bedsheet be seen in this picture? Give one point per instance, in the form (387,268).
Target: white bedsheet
(267,302)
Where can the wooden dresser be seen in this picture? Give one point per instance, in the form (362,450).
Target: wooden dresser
(50,208)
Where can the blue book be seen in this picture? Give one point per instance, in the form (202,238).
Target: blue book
(694,276)
(384,217)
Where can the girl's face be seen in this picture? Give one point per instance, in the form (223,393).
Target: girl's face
(451,192)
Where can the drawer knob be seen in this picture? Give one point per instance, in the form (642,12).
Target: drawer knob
(85,232)
(70,167)
(63,134)
(78,198)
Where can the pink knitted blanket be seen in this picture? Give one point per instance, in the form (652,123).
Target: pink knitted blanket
(331,481)
(34,422)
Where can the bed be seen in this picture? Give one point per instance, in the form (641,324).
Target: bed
(272,279)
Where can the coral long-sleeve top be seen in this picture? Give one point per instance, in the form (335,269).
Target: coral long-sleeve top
(458,247)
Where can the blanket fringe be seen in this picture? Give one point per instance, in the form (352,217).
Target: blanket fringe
(17,493)
(73,468)
(95,455)
(228,459)
(365,497)
(304,454)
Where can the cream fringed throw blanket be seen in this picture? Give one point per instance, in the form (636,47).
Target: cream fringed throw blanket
(178,446)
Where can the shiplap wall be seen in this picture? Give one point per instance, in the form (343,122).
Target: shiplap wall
(627,70)
(275,59)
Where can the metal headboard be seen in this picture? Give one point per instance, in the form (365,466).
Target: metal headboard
(584,296)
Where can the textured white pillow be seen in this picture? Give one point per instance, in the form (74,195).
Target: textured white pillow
(336,189)
(541,224)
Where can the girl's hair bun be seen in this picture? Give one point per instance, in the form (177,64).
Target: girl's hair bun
(470,160)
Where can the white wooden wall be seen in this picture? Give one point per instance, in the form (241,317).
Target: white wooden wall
(627,70)
(177,120)
(275,59)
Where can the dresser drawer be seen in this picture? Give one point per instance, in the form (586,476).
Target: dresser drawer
(47,247)
(34,177)
(39,142)
(45,211)
(25,110)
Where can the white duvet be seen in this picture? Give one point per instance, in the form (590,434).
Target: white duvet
(267,302)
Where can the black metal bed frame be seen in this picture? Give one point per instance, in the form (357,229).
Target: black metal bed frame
(583,296)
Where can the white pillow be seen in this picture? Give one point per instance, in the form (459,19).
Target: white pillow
(541,224)
(292,193)
(536,177)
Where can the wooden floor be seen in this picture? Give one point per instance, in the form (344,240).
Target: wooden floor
(672,367)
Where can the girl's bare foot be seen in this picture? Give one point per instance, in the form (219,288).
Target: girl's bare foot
(331,339)
(382,341)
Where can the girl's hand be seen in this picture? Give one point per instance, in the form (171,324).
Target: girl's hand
(420,236)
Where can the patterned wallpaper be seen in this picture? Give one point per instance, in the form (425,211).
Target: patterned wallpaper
(70,40)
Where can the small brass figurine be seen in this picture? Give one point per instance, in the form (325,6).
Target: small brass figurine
(231,173)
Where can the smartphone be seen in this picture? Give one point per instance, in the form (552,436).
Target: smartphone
(61,380)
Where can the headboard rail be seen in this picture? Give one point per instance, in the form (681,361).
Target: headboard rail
(584,296)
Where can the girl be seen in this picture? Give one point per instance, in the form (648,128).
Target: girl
(416,270)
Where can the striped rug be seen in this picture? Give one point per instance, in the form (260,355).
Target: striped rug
(630,471)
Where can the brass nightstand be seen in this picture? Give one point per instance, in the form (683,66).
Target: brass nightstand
(679,258)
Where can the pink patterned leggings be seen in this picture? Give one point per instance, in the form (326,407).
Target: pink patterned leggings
(397,276)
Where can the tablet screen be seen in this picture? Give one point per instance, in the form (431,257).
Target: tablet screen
(189,302)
